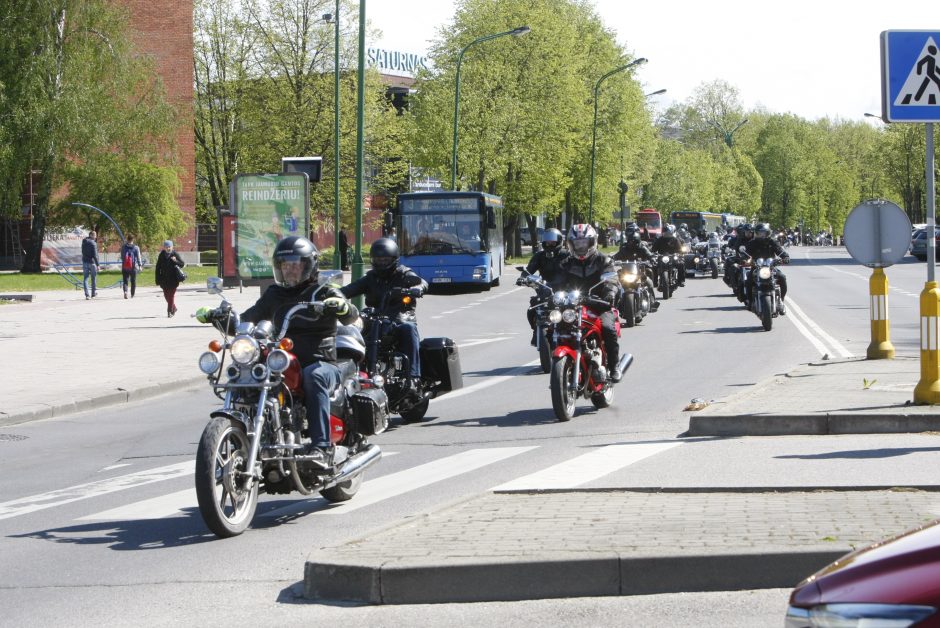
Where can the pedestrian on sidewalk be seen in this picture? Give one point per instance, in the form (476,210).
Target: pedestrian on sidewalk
(169,275)
(90,264)
(130,264)
(343,250)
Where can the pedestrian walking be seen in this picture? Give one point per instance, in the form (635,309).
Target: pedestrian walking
(90,264)
(343,250)
(169,275)
(130,264)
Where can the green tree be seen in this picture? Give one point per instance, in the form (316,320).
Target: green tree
(72,89)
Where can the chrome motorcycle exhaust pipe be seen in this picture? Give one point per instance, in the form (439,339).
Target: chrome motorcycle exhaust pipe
(360,462)
(624,363)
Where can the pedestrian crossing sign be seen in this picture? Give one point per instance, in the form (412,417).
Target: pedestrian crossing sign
(910,76)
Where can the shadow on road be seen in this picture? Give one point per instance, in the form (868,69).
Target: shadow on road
(861,454)
(724,330)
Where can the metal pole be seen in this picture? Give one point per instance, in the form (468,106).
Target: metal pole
(927,390)
(357,264)
(931,207)
(337,261)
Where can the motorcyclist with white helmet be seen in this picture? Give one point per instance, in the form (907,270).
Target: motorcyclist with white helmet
(669,244)
(583,269)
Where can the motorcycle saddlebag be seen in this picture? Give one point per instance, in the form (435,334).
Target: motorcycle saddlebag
(370,411)
(440,361)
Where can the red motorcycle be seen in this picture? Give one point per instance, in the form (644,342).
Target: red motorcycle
(579,357)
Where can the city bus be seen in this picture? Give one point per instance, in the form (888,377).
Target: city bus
(699,223)
(650,222)
(731,221)
(451,237)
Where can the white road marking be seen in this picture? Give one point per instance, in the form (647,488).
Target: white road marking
(168,505)
(395,484)
(491,381)
(481,341)
(116,466)
(24,505)
(823,349)
(832,342)
(586,468)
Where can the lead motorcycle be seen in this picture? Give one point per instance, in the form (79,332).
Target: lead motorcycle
(764,291)
(257,439)
(667,272)
(579,356)
(389,367)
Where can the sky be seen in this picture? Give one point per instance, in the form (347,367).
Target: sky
(813,58)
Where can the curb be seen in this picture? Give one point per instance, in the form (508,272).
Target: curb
(40,412)
(557,576)
(811,424)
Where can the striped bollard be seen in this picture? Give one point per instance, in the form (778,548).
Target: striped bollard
(927,390)
(880,347)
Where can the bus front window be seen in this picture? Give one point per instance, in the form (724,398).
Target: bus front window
(439,234)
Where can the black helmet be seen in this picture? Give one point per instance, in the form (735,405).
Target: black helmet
(762,230)
(635,236)
(384,254)
(551,240)
(295,262)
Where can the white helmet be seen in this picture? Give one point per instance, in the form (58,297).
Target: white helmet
(582,240)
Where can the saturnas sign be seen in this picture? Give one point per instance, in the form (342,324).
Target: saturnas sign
(395,61)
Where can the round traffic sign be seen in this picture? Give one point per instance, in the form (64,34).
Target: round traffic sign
(877,233)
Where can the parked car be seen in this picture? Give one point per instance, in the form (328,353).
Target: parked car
(527,238)
(919,244)
(891,583)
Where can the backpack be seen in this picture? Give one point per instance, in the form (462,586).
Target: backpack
(128,262)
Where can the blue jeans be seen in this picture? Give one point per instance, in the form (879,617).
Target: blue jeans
(406,336)
(320,379)
(90,270)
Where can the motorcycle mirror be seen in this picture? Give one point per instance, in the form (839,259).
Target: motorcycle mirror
(214,285)
(329,276)
(742,249)
(610,277)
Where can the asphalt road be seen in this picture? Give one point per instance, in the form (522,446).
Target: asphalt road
(98,524)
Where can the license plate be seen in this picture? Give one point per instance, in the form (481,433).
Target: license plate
(440,280)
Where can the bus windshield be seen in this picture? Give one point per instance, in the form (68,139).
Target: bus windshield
(648,220)
(441,233)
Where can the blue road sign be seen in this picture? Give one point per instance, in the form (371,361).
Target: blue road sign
(910,76)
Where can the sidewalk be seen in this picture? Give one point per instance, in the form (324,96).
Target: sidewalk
(63,354)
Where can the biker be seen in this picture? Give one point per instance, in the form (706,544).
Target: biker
(388,275)
(763,246)
(683,233)
(295,263)
(743,234)
(634,249)
(547,263)
(582,270)
(669,244)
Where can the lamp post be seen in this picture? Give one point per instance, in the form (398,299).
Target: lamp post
(656,93)
(729,135)
(357,264)
(522,30)
(594,127)
(337,260)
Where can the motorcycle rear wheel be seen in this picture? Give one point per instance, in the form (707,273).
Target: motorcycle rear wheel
(603,399)
(562,397)
(344,491)
(226,504)
(545,353)
(766,312)
(416,413)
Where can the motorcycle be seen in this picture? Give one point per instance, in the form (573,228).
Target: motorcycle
(636,301)
(389,367)
(764,295)
(667,271)
(543,293)
(257,439)
(579,356)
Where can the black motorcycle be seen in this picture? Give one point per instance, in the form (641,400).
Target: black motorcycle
(389,367)
(636,299)
(667,270)
(543,295)
(763,291)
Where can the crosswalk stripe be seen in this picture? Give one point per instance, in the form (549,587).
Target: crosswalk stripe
(156,508)
(585,468)
(395,484)
(24,505)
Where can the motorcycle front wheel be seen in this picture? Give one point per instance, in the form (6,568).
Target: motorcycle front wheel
(766,312)
(665,286)
(714,264)
(545,353)
(563,397)
(629,311)
(227,498)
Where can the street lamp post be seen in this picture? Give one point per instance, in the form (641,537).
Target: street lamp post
(337,261)
(729,135)
(522,30)
(357,264)
(594,127)
(656,93)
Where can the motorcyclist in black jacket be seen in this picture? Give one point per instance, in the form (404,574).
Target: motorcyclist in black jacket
(743,234)
(295,264)
(634,249)
(764,246)
(669,244)
(582,270)
(386,277)
(547,264)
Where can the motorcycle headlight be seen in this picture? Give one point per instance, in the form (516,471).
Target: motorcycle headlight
(685,248)
(858,615)
(208,363)
(695,260)
(665,259)
(278,361)
(559,298)
(569,316)
(245,350)
(628,277)
(554,316)
(764,273)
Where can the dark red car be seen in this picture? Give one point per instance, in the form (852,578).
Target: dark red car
(895,583)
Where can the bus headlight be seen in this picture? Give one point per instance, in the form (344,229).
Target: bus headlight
(479,272)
